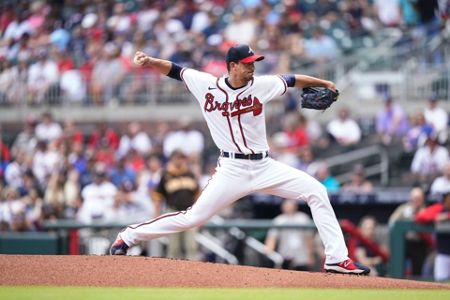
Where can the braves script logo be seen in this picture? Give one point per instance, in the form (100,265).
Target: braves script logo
(235,108)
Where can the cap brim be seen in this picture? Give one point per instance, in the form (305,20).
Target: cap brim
(252,58)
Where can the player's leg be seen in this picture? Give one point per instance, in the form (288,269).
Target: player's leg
(282,180)
(226,186)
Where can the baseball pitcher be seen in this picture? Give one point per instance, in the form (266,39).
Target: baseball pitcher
(233,107)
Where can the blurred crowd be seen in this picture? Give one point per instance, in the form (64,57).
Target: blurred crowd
(81,51)
(52,170)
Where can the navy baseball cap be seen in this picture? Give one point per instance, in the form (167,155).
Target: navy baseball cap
(242,53)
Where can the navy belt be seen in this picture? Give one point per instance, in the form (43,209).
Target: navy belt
(256,156)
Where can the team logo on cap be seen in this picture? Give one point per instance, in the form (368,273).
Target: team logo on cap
(250,50)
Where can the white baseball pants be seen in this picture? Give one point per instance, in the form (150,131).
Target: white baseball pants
(236,178)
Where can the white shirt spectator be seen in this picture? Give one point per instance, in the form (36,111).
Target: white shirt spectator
(140,142)
(15,30)
(98,201)
(426,162)
(291,242)
(191,142)
(241,30)
(42,74)
(345,131)
(73,86)
(46,163)
(138,209)
(441,184)
(200,21)
(388,11)
(438,118)
(48,131)
(8,209)
(146,18)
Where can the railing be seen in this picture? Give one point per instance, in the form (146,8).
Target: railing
(381,168)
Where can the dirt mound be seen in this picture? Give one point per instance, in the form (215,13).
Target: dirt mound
(159,272)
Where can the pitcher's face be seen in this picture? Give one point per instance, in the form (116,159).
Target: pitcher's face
(243,71)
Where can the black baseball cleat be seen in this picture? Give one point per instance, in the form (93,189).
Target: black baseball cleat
(118,247)
(347,267)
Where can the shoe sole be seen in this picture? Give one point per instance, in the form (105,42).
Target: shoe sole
(347,272)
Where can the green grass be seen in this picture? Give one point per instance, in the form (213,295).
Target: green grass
(85,293)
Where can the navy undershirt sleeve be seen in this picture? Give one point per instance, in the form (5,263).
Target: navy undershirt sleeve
(175,72)
(290,79)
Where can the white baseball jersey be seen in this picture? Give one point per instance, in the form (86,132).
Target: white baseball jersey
(235,117)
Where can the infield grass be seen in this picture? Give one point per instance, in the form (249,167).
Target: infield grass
(94,293)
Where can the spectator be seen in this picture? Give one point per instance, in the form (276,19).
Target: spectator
(72,195)
(438,214)
(42,79)
(307,161)
(442,183)
(14,80)
(12,210)
(15,170)
(242,29)
(26,140)
(418,132)
(54,197)
(429,160)
(322,174)
(429,23)
(150,176)
(98,198)
(107,75)
(135,139)
(321,48)
(71,133)
(34,207)
(120,21)
(178,189)
(410,16)
(47,130)
(5,156)
(416,248)
(367,226)
(186,139)
(46,161)
(280,148)
(130,206)
(437,117)
(295,246)
(102,135)
(344,130)
(122,173)
(296,132)
(358,184)
(392,122)
(388,12)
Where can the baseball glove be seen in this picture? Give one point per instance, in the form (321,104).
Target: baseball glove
(318,98)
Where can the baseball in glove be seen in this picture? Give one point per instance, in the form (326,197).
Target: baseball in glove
(318,98)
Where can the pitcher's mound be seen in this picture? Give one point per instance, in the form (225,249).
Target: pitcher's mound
(158,272)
